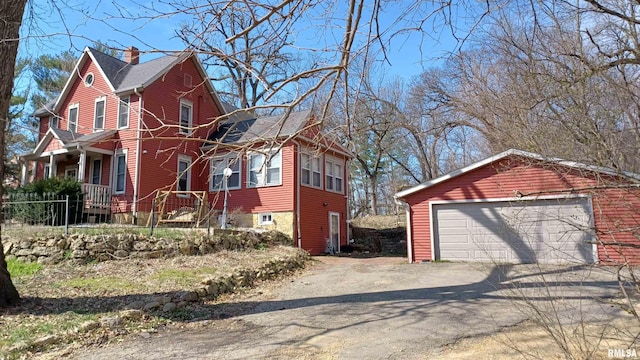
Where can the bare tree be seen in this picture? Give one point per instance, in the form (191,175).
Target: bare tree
(247,68)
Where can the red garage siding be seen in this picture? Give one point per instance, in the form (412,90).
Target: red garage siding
(614,209)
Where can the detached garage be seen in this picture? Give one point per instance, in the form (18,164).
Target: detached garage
(519,207)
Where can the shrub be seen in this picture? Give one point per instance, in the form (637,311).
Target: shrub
(34,202)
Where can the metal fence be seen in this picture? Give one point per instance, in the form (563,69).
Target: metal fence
(30,210)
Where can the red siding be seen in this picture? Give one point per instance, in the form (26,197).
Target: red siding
(314,214)
(262,199)
(315,206)
(162,143)
(614,209)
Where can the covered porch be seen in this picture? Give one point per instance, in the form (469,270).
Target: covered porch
(86,158)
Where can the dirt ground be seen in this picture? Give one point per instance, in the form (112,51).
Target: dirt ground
(383,308)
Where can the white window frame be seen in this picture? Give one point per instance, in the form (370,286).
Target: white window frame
(226,159)
(183,159)
(102,99)
(75,106)
(263,170)
(332,175)
(93,168)
(46,171)
(69,169)
(189,105)
(124,101)
(262,221)
(89,79)
(119,153)
(54,119)
(313,165)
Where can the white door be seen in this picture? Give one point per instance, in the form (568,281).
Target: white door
(334,231)
(545,231)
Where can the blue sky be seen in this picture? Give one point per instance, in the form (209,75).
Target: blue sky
(88,21)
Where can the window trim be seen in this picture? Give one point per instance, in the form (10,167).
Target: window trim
(75,106)
(88,80)
(119,153)
(227,158)
(263,169)
(52,119)
(71,168)
(102,99)
(188,131)
(124,100)
(185,159)
(261,222)
(46,171)
(332,161)
(312,157)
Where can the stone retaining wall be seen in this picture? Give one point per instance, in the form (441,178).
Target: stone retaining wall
(86,247)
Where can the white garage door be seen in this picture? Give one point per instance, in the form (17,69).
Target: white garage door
(545,231)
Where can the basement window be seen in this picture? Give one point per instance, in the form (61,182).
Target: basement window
(265,219)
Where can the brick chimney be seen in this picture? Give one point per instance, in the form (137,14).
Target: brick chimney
(132,55)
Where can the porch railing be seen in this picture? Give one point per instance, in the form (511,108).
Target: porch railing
(97,195)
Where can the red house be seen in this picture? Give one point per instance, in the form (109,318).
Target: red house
(520,207)
(127,129)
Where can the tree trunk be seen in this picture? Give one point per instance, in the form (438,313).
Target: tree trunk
(373,182)
(10,20)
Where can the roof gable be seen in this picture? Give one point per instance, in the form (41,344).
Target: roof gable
(123,77)
(509,154)
(68,139)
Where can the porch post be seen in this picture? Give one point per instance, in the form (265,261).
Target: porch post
(23,175)
(52,167)
(81,165)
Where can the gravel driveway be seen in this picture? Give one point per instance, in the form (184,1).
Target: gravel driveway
(380,308)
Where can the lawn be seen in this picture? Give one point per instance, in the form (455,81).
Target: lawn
(66,301)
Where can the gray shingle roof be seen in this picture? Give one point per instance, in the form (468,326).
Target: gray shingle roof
(47,109)
(71,138)
(262,128)
(65,136)
(123,75)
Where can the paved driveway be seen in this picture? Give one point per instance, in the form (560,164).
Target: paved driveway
(376,309)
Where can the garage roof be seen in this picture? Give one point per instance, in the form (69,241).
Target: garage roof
(512,153)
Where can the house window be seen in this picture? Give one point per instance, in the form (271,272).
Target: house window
(311,170)
(186,112)
(88,79)
(98,117)
(188,80)
(123,113)
(53,122)
(73,118)
(265,219)
(335,177)
(96,171)
(71,173)
(218,165)
(121,172)
(184,174)
(47,171)
(265,169)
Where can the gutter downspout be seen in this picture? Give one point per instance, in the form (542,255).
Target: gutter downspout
(407,210)
(138,157)
(299,238)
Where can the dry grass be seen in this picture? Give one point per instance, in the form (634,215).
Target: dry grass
(530,341)
(380,221)
(61,297)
